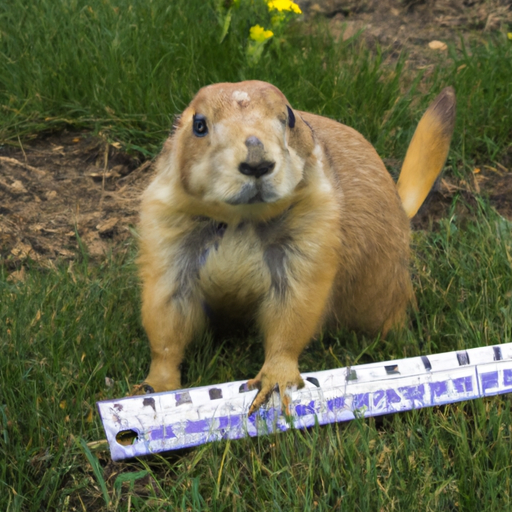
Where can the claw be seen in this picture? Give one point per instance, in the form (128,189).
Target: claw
(286,402)
(261,398)
(281,376)
(264,396)
(142,389)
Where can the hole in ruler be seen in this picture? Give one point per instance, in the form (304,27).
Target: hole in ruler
(426,363)
(352,375)
(392,369)
(127,437)
(498,356)
(183,398)
(215,393)
(150,402)
(314,381)
(463,358)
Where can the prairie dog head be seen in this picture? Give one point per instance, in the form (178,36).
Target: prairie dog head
(241,144)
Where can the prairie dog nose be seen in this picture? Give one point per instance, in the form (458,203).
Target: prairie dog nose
(255,150)
(255,164)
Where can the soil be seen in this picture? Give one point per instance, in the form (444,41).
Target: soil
(56,191)
(421,27)
(59,190)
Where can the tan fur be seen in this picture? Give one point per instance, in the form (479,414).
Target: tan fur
(428,151)
(320,239)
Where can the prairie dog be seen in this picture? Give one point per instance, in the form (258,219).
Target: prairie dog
(283,218)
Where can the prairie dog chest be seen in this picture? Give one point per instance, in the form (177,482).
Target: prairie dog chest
(230,263)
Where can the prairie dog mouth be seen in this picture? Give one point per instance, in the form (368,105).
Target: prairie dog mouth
(252,193)
(257,199)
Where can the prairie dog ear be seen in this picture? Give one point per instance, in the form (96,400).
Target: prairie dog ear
(300,134)
(291,117)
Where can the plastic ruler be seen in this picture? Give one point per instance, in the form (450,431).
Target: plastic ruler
(153,423)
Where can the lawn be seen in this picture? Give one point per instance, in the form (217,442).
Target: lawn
(71,334)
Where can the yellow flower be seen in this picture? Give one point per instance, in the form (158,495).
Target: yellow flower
(259,34)
(509,35)
(283,5)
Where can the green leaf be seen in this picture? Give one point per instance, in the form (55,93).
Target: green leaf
(128,477)
(225,27)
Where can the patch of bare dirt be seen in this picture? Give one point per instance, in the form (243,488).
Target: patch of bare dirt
(493,183)
(421,27)
(55,188)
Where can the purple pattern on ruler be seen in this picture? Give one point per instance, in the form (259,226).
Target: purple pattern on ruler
(489,380)
(184,427)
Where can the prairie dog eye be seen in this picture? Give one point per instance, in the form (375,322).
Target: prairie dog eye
(199,126)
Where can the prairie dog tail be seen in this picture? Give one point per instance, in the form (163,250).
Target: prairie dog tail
(427,152)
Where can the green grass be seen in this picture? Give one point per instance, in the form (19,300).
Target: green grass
(127,68)
(70,336)
(65,331)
